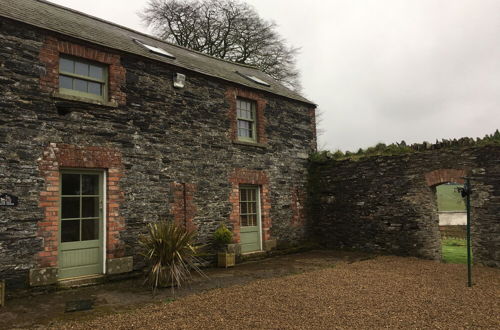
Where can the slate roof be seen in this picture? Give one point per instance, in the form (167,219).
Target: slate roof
(79,25)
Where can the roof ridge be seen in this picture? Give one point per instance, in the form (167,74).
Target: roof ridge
(145,34)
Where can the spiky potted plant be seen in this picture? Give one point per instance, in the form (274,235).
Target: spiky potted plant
(222,238)
(170,254)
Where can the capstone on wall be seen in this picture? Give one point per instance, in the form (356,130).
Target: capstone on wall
(166,140)
(387,204)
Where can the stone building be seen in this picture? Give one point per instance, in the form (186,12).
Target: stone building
(104,129)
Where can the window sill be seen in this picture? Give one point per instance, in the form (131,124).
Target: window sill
(57,95)
(251,144)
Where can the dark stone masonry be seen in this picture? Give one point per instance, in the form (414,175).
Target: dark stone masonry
(387,204)
(170,153)
(145,150)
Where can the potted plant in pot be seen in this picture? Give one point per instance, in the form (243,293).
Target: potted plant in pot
(170,254)
(222,237)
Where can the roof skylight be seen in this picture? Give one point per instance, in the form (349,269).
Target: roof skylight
(255,79)
(156,50)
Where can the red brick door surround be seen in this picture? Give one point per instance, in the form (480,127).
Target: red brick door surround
(242,176)
(65,156)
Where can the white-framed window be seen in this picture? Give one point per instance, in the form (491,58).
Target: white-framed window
(79,77)
(246,114)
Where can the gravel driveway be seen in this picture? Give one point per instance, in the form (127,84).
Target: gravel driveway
(386,292)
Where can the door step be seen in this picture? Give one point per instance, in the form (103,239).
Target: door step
(252,256)
(80,281)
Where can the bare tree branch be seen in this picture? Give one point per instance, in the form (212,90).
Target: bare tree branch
(228,29)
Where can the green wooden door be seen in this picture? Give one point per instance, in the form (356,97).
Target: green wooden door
(249,219)
(81,225)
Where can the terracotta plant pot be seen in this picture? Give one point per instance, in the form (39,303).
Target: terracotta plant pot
(225,259)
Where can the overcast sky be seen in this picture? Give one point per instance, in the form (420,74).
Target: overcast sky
(382,70)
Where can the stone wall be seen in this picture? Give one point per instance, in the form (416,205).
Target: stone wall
(453,231)
(387,203)
(448,218)
(176,149)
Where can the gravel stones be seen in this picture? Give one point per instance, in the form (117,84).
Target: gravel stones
(386,292)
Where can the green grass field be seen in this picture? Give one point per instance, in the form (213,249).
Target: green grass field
(448,198)
(454,251)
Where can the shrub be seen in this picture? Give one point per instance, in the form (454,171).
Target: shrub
(170,254)
(222,237)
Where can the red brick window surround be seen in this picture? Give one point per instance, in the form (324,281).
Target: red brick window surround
(242,176)
(232,94)
(59,156)
(53,48)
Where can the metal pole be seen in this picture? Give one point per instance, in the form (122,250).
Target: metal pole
(469,263)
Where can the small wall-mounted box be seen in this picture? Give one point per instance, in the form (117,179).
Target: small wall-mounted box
(179,80)
(2,293)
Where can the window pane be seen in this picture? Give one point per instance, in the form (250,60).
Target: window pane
(70,207)
(65,82)
(90,207)
(248,115)
(251,207)
(90,229)
(80,85)
(243,220)
(243,208)
(243,133)
(96,72)
(246,109)
(81,68)
(244,114)
(244,124)
(71,184)
(70,67)
(253,220)
(95,88)
(243,194)
(66,65)
(90,184)
(245,128)
(70,230)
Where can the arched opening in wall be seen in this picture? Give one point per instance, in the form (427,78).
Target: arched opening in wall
(452,222)
(451,212)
